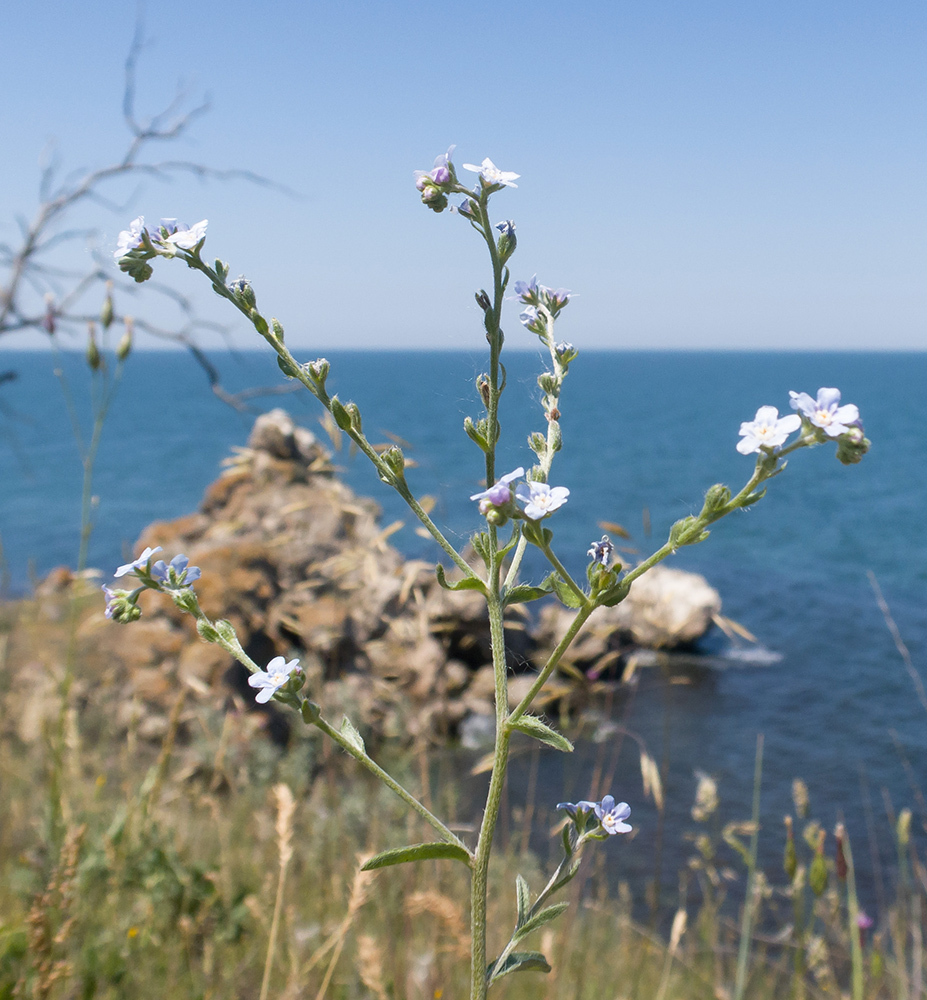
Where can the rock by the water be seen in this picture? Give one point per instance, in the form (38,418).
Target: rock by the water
(302,567)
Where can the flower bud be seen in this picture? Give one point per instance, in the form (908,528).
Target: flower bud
(207,631)
(537,443)
(507,241)
(354,414)
(124,347)
(319,370)
(482,300)
(277,327)
(106,312)
(548,383)
(221,269)
(716,499)
(494,515)
(227,632)
(341,415)
(395,460)
(852,446)
(94,358)
(243,292)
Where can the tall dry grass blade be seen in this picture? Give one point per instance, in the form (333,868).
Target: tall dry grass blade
(336,941)
(895,633)
(284,829)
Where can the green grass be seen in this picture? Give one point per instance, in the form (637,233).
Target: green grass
(155,871)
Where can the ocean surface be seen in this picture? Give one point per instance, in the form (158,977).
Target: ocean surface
(644,435)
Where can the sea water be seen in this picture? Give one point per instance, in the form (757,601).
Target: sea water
(645,434)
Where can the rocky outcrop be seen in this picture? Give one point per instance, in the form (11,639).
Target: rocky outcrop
(302,567)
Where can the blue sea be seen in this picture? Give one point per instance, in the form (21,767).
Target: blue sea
(644,435)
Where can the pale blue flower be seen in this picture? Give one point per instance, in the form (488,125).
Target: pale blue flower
(612,816)
(527,291)
(530,319)
(507,228)
(491,174)
(111,598)
(183,236)
(825,411)
(541,499)
(270,681)
(601,551)
(178,574)
(131,238)
(768,430)
(500,492)
(140,563)
(581,807)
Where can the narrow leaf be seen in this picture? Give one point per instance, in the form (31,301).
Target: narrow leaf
(518,961)
(539,919)
(523,897)
(467,583)
(417,852)
(524,592)
(531,725)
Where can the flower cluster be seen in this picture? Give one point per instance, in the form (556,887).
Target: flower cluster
(437,182)
(176,577)
(537,299)
(498,502)
(136,245)
(611,816)
(820,419)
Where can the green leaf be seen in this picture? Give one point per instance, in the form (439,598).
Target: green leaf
(523,592)
(531,725)
(523,899)
(518,961)
(539,919)
(417,852)
(752,498)
(564,592)
(467,583)
(352,735)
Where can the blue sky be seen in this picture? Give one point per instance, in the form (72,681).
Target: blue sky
(705,175)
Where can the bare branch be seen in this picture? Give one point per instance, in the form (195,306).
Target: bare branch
(29,270)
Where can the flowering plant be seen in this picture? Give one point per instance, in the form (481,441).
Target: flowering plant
(523,503)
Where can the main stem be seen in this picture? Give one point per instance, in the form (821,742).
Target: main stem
(478,883)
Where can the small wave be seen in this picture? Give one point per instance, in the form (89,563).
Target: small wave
(758,655)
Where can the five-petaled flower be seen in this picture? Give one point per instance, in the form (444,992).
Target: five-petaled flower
(140,563)
(601,551)
(131,238)
(768,430)
(178,574)
(825,411)
(527,291)
(500,493)
(541,499)
(270,681)
(490,174)
(612,816)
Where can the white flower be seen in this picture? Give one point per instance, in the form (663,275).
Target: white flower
(183,236)
(768,430)
(541,499)
(825,411)
(140,563)
(273,678)
(130,238)
(491,174)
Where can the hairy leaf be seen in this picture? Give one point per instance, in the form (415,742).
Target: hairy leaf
(417,852)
